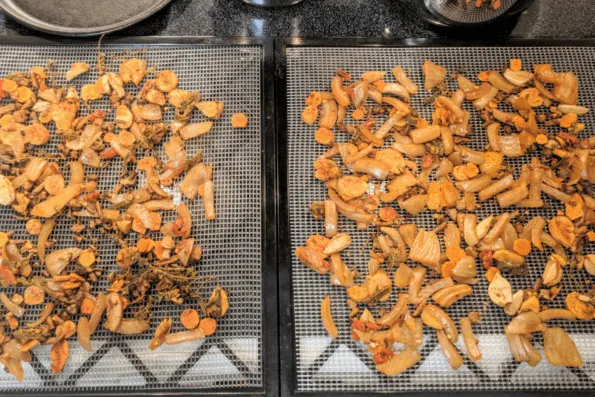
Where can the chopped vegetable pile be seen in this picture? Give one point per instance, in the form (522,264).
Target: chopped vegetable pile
(160,266)
(381,176)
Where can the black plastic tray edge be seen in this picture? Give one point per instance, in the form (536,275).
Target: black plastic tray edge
(269,347)
(288,374)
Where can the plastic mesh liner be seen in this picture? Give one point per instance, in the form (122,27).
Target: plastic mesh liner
(461,12)
(231,244)
(326,365)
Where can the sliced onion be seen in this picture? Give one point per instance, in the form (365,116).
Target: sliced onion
(560,350)
(525,323)
(450,352)
(400,362)
(482,102)
(500,82)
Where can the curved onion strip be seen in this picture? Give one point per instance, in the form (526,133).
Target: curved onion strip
(430,288)
(522,350)
(449,295)
(132,327)
(45,313)
(327,318)
(97,314)
(417,278)
(402,79)
(474,185)
(44,234)
(184,336)
(498,81)
(482,102)
(448,349)
(400,362)
(447,140)
(556,314)
(425,134)
(398,239)
(387,125)
(497,229)
(331,223)
(525,323)
(456,111)
(495,188)
(12,307)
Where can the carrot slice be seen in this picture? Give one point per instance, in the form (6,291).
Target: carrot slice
(34,295)
(190,319)
(239,120)
(87,306)
(357,114)
(208,326)
(521,246)
(324,136)
(87,258)
(33,226)
(387,214)
(568,120)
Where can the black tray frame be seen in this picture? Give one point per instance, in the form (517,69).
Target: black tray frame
(288,368)
(269,350)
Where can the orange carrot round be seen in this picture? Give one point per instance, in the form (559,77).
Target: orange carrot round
(324,136)
(239,120)
(358,114)
(208,325)
(34,295)
(33,226)
(387,214)
(190,318)
(521,246)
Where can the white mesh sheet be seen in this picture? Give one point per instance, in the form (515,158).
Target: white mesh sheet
(232,244)
(325,365)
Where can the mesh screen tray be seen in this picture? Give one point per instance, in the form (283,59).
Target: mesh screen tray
(231,359)
(323,365)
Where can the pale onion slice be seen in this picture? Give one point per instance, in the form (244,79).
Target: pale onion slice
(327,318)
(400,362)
(560,349)
(426,249)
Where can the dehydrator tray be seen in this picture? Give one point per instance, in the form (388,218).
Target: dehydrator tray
(312,364)
(239,247)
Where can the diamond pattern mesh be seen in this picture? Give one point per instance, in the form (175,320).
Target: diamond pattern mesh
(326,365)
(232,244)
(459,11)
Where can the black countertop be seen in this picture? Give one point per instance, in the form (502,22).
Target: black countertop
(343,18)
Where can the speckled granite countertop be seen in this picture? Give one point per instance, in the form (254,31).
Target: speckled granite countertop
(341,18)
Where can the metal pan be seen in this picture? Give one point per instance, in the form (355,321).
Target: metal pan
(81,17)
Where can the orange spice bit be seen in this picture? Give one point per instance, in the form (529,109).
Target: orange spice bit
(358,114)
(491,273)
(447,268)
(568,120)
(516,65)
(387,214)
(541,139)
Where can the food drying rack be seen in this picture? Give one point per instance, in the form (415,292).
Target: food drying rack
(312,364)
(239,247)
(295,357)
